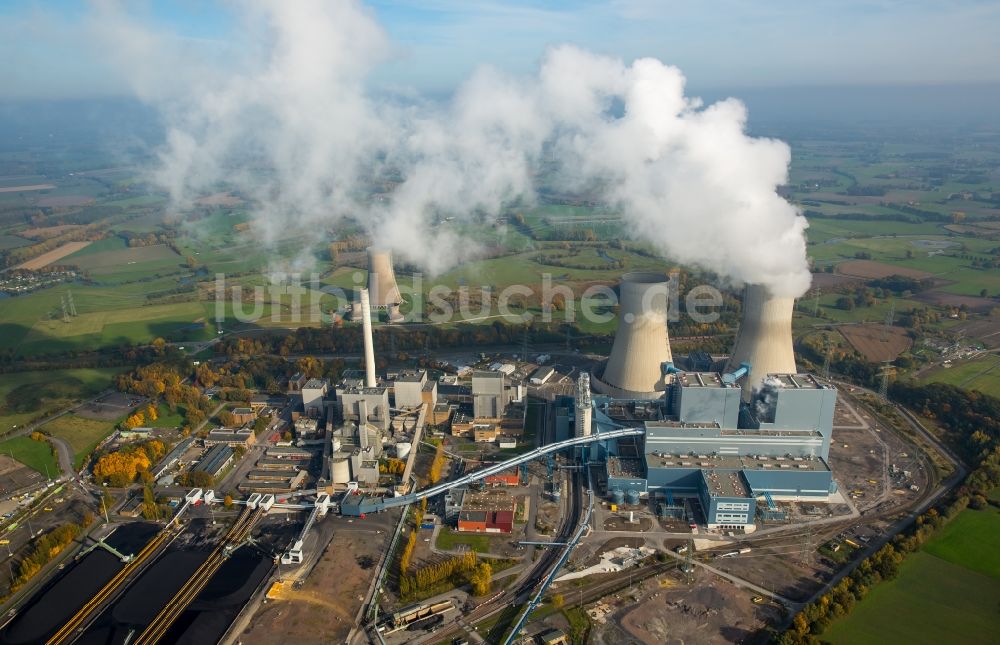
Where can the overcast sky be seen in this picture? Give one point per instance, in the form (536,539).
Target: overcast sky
(50,49)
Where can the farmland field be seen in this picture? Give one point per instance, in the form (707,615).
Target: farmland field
(969,541)
(117,259)
(870,269)
(981,374)
(82,434)
(931,601)
(867,339)
(53,256)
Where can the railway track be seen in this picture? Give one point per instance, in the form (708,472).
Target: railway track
(74,626)
(199,579)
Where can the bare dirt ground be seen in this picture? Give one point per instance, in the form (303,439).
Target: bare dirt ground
(323,608)
(52,256)
(14,475)
(985,331)
(669,611)
(867,339)
(871,269)
(830,280)
(110,406)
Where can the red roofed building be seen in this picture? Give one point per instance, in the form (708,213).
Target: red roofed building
(509,478)
(487,512)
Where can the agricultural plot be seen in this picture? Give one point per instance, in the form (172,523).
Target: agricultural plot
(130,263)
(52,256)
(945,593)
(981,374)
(869,269)
(877,343)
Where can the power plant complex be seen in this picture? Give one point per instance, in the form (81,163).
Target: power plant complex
(731,439)
(718,439)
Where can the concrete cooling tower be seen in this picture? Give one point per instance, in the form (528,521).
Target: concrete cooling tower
(382,283)
(765,337)
(634,369)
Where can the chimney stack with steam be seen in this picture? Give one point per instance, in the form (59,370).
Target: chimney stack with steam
(635,367)
(366,325)
(765,337)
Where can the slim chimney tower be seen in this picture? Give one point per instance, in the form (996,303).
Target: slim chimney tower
(641,345)
(765,337)
(366,325)
(584,410)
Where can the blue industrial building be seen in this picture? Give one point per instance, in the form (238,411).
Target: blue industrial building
(703,441)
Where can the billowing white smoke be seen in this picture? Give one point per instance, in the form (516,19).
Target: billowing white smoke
(294,127)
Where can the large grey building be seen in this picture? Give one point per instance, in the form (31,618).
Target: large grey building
(488,395)
(704,442)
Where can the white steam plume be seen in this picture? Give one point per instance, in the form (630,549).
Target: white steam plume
(294,126)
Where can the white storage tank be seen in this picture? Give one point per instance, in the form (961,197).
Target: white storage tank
(403,450)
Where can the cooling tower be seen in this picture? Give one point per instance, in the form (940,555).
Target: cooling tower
(634,369)
(765,337)
(366,328)
(382,279)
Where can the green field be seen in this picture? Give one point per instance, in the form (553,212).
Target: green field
(448,539)
(82,434)
(27,395)
(970,541)
(33,454)
(981,374)
(946,593)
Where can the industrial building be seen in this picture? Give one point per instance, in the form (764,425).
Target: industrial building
(215,460)
(172,458)
(487,512)
(730,442)
(238,438)
(313,396)
(412,389)
(489,397)
(541,375)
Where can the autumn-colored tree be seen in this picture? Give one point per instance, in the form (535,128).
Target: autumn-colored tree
(37,436)
(437,465)
(481,579)
(227,501)
(404,559)
(151,412)
(121,467)
(134,421)
(310,366)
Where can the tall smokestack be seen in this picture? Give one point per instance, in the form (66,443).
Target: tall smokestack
(765,336)
(382,282)
(584,411)
(641,344)
(366,325)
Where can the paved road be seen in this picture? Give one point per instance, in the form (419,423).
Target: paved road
(64,454)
